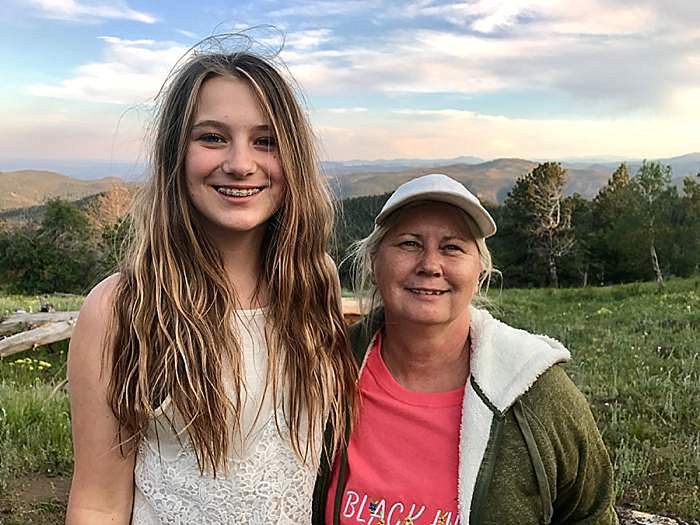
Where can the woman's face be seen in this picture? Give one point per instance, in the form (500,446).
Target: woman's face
(232,169)
(427,266)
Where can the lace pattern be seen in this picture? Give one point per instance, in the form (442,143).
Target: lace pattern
(269,486)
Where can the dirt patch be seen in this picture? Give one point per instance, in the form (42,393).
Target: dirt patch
(38,499)
(35,499)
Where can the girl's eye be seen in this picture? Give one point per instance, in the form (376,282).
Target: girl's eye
(211,138)
(266,142)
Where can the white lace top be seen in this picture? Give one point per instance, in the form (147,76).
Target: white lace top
(266,482)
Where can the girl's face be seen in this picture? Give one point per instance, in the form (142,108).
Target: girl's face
(233,173)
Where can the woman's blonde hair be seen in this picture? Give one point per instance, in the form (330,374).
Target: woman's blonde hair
(363,252)
(172,329)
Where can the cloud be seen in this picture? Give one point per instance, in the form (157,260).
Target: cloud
(309,39)
(584,17)
(612,56)
(627,72)
(342,111)
(451,132)
(324,8)
(56,133)
(188,34)
(131,72)
(76,11)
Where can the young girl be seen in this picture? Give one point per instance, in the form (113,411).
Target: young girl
(202,375)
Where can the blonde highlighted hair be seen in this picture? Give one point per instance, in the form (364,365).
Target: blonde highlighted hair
(172,330)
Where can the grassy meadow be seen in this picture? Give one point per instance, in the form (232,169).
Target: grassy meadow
(635,356)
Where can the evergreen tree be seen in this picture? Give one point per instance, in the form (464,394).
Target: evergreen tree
(578,266)
(653,192)
(541,217)
(612,209)
(686,229)
(58,255)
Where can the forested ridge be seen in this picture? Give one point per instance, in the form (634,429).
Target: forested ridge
(639,227)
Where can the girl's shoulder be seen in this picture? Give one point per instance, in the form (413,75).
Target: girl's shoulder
(94,319)
(98,303)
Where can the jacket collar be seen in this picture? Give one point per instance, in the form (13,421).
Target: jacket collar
(507,361)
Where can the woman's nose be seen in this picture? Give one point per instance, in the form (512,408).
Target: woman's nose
(430,263)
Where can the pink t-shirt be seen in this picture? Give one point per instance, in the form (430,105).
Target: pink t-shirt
(403,454)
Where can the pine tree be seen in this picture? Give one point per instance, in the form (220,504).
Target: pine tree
(614,255)
(537,199)
(652,188)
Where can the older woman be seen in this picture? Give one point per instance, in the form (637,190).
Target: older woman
(463,419)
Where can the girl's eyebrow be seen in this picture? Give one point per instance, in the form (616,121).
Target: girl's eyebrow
(210,124)
(224,127)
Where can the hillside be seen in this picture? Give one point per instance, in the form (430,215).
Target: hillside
(27,188)
(490,180)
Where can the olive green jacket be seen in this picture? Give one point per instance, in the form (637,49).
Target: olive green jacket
(530,451)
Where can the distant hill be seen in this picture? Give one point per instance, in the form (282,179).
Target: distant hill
(335,168)
(490,180)
(28,188)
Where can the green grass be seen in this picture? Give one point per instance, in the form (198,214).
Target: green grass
(635,356)
(31,303)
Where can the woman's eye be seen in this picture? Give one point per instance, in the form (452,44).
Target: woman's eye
(409,244)
(452,248)
(266,142)
(211,138)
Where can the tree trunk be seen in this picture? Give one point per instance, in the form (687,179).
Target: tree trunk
(20,322)
(655,265)
(553,276)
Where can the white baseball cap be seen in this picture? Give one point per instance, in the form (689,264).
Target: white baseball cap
(441,188)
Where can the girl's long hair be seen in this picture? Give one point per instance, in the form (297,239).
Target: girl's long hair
(172,332)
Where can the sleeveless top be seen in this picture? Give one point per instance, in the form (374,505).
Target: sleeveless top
(266,483)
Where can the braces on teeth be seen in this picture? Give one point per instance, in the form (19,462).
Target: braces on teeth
(233,192)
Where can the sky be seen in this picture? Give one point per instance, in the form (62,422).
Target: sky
(380,79)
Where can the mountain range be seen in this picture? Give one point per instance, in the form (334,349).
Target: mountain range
(26,188)
(490,180)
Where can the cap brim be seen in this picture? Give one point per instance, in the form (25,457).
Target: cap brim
(478,214)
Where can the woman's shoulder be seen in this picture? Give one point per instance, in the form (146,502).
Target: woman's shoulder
(555,387)
(557,402)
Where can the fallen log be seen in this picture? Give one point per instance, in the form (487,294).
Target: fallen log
(22,321)
(44,335)
(351,310)
(634,517)
(46,328)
